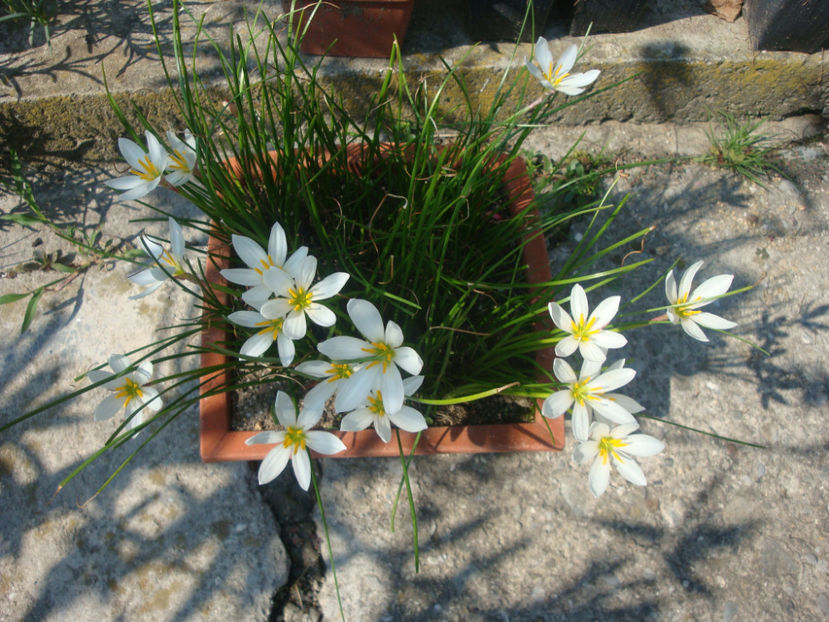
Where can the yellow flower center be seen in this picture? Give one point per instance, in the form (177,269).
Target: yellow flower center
(582,331)
(294,437)
(338,371)
(148,170)
(682,309)
(271,326)
(552,74)
(381,353)
(128,391)
(608,446)
(580,391)
(299,298)
(168,258)
(375,404)
(179,162)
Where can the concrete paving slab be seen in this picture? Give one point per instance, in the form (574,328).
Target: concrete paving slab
(171,538)
(722,531)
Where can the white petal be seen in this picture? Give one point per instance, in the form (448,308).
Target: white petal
(285,409)
(278,281)
(309,417)
(609,339)
(581,422)
(256,345)
(324,442)
(295,260)
(107,408)
(578,80)
(563,372)
(140,190)
(692,330)
(621,431)
(256,296)
(131,151)
(305,272)
(585,452)
(408,419)
(294,326)
(567,346)
(411,385)
(709,320)
(612,379)
(578,304)
(277,244)
(393,335)
(589,368)
(273,464)
(536,72)
(670,288)
(612,411)
(568,59)
(560,317)
(712,288)
(592,351)
(557,404)
(118,363)
(599,476)
(242,276)
(315,369)
(687,278)
(151,399)
(602,314)
(176,239)
(266,438)
(366,318)
(598,430)
(628,403)
(631,471)
(151,247)
(344,348)
(357,420)
(643,445)
(329,286)
(321,315)
(143,278)
(543,56)
(275,309)
(408,360)
(353,391)
(382,426)
(127,182)
(391,384)
(249,319)
(286,349)
(98,375)
(319,394)
(250,252)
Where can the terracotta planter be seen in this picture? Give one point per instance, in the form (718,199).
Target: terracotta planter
(220,443)
(351,27)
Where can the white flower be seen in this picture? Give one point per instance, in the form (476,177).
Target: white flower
(558,77)
(685,312)
(382,351)
(130,392)
(586,333)
(589,392)
(293,442)
(147,167)
(374,412)
(182,161)
(331,375)
(301,298)
(275,262)
(172,259)
(618,446)
(270,330)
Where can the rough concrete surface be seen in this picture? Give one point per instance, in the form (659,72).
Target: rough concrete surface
(171,538)
(722,532)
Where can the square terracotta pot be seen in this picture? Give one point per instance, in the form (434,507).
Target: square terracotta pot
(364,28)
(220,443)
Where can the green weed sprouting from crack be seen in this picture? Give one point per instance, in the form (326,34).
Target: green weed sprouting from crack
(741,147)
(38,12)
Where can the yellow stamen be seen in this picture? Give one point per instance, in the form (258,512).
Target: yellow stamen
(148,170)
(294,437)
(682,308)
(271,326)
(129,391)
(338,371)
(608,446)
(382,353)
(299,298)
(375,404)
(179,161)
(582,331)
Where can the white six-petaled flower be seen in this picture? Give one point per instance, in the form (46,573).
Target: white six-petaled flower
(590,391)
(586,333)
(172,260)
(293,442)
(269,330)
(299,298)
(685,311)
(383,353)
(147,167)
(182,161)
(275,262)
(130,390)
(557,77)
(619,446)
(374,412)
